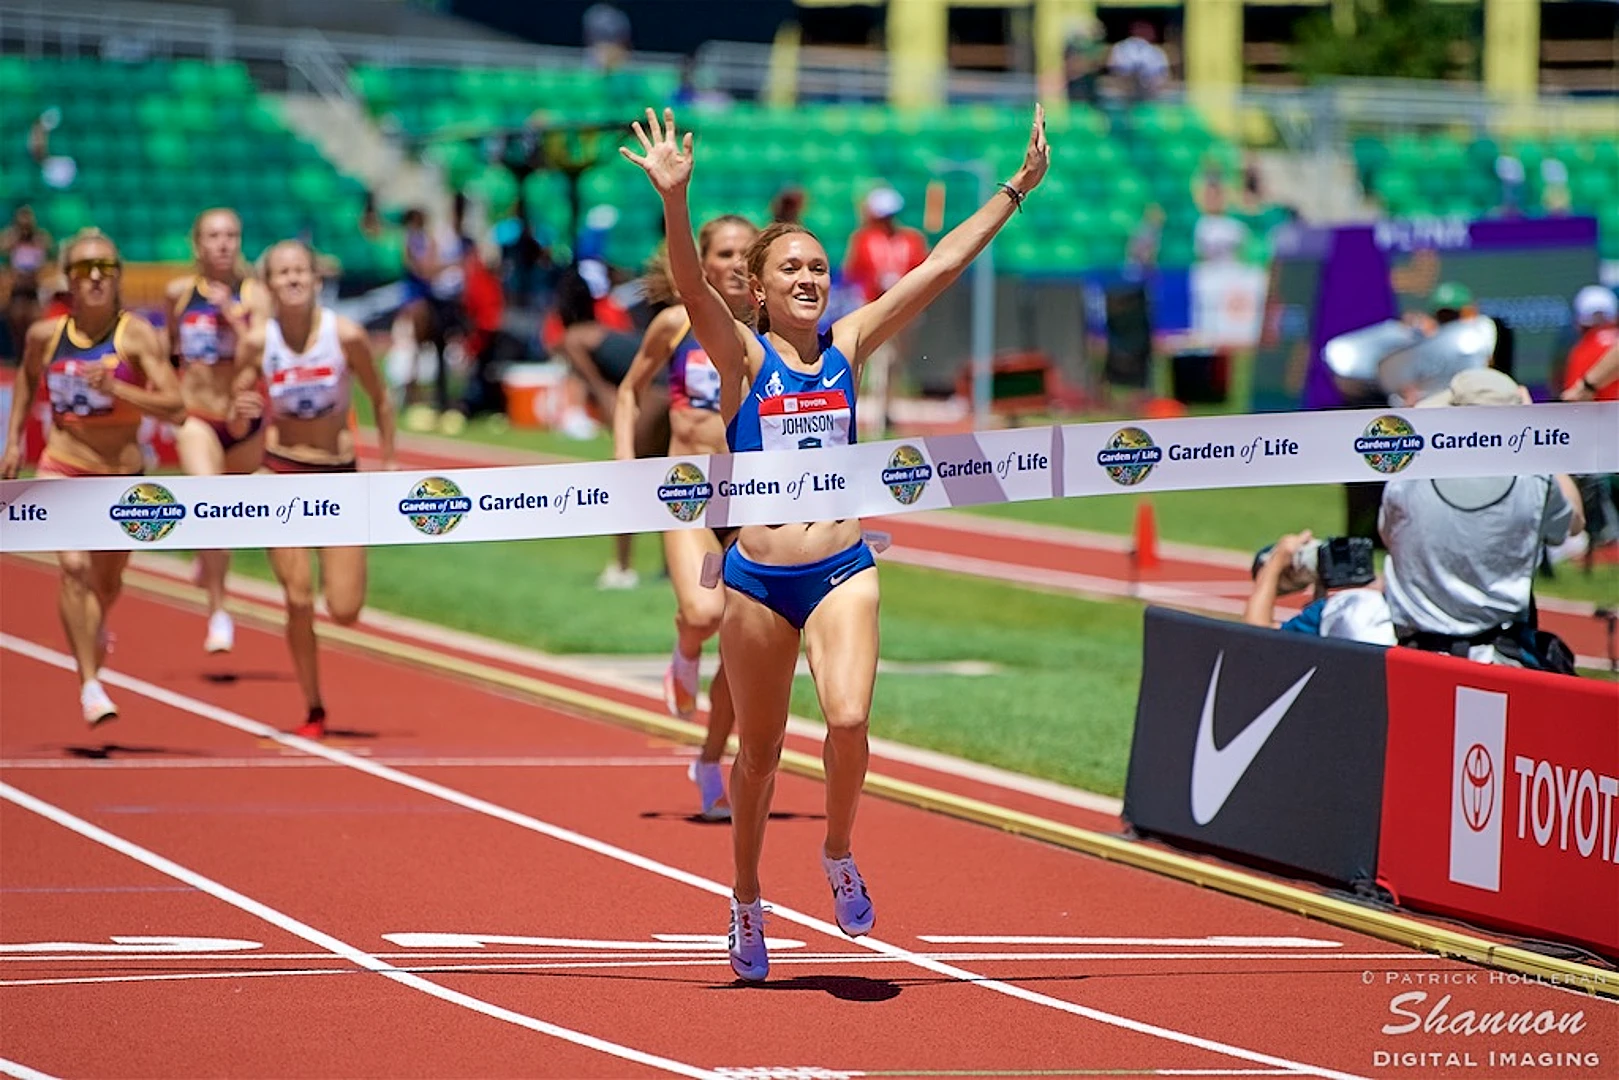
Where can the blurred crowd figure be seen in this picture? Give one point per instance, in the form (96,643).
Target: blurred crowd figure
(1132,70)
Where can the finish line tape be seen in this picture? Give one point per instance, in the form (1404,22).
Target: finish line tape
(769,488)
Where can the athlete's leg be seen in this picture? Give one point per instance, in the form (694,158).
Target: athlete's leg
(201,455)
(721,716)
(342,582)
(697,609)
(79,605)
(841,640)
(755,640)
(292,569)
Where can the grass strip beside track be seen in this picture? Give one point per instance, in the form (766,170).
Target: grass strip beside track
(1059,705)
(1399,929)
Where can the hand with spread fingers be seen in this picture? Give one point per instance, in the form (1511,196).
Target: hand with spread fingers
(667,159)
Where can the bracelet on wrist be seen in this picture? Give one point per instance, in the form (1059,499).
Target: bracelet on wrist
(1585,381)
(1014,194)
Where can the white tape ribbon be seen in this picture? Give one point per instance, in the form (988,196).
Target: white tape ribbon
(768,488)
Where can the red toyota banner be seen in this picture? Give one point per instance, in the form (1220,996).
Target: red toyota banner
(1499,797)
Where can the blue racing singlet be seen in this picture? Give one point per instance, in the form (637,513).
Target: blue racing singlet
(792,410)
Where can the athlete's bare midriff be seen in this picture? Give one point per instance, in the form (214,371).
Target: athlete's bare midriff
(113,449)
(793,545)
(206,388)
(325,440)
(696,431)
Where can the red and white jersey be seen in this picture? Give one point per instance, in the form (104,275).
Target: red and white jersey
(309,384)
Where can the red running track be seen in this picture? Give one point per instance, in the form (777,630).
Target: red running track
(445,809)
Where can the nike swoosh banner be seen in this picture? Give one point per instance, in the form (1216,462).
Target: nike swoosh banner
(1266,746)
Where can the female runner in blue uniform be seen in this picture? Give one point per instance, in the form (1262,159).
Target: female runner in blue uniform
(209,313)
(812,584)
(105,370)
(695,428)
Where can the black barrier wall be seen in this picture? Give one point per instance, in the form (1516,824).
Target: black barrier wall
(1262,744)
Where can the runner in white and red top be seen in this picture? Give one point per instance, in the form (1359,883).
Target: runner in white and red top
(309,357)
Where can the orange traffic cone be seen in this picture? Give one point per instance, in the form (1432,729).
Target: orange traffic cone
(1145,549)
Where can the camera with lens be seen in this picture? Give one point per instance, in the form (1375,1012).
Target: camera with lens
(1338,562)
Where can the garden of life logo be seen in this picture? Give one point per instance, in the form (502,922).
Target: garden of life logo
(435,506)
(1129,456)
(147,512)
(907,474)
(685,491)
(1389,444)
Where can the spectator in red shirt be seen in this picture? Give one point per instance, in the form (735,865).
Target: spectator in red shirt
(1596,312)
(881,252)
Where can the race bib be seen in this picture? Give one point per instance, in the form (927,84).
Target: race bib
(69,387)
(702,381)
(306,392)
(199,337)
(804,421)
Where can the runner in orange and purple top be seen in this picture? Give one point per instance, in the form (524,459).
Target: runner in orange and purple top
(209,312)
(310,357)
(104,370)
(695,428)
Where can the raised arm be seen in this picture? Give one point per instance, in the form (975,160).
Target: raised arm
(656,346)
(357,351)
(667,162)
(1600,374)
(35,343)
(859,333)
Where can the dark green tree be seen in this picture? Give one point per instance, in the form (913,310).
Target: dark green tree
(1388,39)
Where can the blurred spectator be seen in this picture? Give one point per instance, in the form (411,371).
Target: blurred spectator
(1349,606)
(1218,236)
(788,205)
(607,36)
(1463,552)
(434,280)
(1596,314)
(1554,194)
(1141,253)
(57,170)
(1139,64)
(1253,184)
(597,339)
(1509,170)
(1596,317)
(1084,57)
(697,88)
(26,250)
(487,345)
(881,251)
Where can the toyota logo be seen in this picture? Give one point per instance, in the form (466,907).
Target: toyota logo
(1477,787)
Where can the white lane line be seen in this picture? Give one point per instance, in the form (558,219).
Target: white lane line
(125,946)
(642,862)
(355,956)
(718,961)
(666,760)
(22,1072)
(1219,941)
(125,961)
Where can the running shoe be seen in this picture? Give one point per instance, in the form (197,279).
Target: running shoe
(749,959)
(221,633)
(849,900)
(618,577)
(710,780)
(98,707)
(314,727)
(680,685)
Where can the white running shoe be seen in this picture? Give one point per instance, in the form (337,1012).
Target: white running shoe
(221,633)
(749,959)
(680,685)
(98,707)
(850,902)
(709,777)
(618,577)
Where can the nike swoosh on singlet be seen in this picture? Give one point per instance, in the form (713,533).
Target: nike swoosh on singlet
(1217,772)
(827,384)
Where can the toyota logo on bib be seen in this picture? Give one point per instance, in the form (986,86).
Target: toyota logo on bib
(1477,787)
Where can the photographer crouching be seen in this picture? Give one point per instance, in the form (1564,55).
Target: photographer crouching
(1462,553)
(1339,570)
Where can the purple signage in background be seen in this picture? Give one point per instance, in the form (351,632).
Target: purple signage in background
(1522,272)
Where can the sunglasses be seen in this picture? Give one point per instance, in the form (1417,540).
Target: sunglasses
(81,269)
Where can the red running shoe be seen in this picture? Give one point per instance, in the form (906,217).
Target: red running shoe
(314,727)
